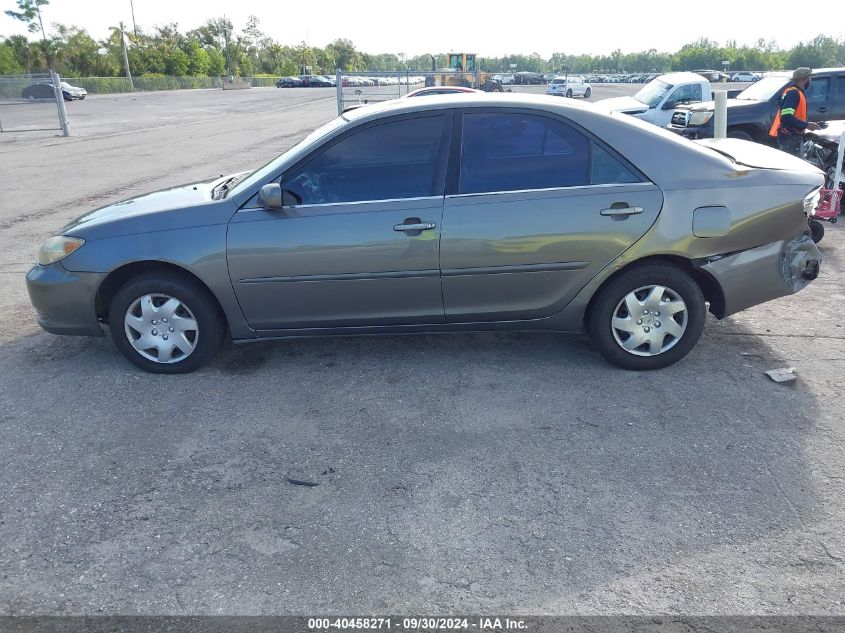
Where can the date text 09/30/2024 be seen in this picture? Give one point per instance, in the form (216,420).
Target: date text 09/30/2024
(416,624)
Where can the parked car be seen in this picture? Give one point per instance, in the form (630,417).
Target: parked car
(743,77)
(289,82)
(571,86)
(657,100)
(45,90)
(527,79)
(315,81)
(751,113)
(547,216)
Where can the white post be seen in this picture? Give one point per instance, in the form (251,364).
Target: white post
(339,86)
(720,116)
(839,157)
(60,103)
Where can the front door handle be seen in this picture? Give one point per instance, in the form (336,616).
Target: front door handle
(823,109)
(415,226)
(620,210)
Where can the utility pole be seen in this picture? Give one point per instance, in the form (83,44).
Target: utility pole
(126,59)
(228,54)
(134,25)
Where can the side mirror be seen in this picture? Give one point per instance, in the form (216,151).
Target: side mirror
(270,196)
(670,105)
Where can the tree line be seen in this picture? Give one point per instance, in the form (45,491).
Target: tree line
(216,48)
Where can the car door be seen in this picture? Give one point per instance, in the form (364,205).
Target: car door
(358,245)
(534,209)
(839,98)
(682,95)
(819,102)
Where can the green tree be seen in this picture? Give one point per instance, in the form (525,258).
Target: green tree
(345,55)
(216,62)
(199,61)
(27,54)
(29,12)
(8,64)
(177,63)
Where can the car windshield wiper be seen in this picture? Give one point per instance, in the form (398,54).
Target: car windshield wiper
(222,189)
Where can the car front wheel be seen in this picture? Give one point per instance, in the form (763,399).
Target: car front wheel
(588,93)
(165,323)
(648,317)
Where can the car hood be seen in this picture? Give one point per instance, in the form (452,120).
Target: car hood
(178,199)
(709,106)
(758,156)
(622,104)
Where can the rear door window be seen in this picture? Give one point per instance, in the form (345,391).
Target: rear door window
(513,152)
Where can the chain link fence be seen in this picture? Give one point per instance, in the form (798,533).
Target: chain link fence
(149,83)
(30,103)
(354,89)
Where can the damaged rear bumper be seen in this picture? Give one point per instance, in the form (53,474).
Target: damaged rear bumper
(752,277)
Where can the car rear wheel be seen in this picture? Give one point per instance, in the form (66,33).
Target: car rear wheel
(648,317)
(588,93)
(569,94)
(165,323)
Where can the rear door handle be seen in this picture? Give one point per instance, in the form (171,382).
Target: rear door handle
(823,109)
(614,210)
(416,226)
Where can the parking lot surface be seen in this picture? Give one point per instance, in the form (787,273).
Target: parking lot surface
(474,473)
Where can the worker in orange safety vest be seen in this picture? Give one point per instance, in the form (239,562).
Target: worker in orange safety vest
(791,119)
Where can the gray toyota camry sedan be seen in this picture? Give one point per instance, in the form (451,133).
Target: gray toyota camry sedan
(468,213)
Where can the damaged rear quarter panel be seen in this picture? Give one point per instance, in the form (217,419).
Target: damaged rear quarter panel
(764,273)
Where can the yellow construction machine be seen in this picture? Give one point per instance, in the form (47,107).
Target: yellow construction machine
(462,70)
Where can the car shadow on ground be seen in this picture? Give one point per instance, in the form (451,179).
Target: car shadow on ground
(477,472)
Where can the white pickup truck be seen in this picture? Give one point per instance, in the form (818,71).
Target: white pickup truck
(657,100)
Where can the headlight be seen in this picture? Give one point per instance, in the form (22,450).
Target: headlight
(58,247)
(700,118)
(811,201)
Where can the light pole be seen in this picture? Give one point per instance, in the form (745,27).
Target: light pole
(126,59)
(134,26)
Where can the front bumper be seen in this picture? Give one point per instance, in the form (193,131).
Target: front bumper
(764,273)
(692,133)
(63,300)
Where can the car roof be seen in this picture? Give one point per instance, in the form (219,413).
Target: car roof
(676,78)
(477,99)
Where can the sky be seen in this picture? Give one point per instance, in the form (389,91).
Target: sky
(491,29)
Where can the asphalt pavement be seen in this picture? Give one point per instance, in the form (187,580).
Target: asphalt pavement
(511,473)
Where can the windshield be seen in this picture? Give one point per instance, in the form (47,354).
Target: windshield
(764,89)
(653,92)
(267,170)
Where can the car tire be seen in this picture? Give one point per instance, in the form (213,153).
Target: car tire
(611,324)
(588,93)
(745,136)
(569,94)
(816,231)
(146,295)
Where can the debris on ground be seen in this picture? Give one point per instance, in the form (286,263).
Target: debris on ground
(300,482)
(784,374)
